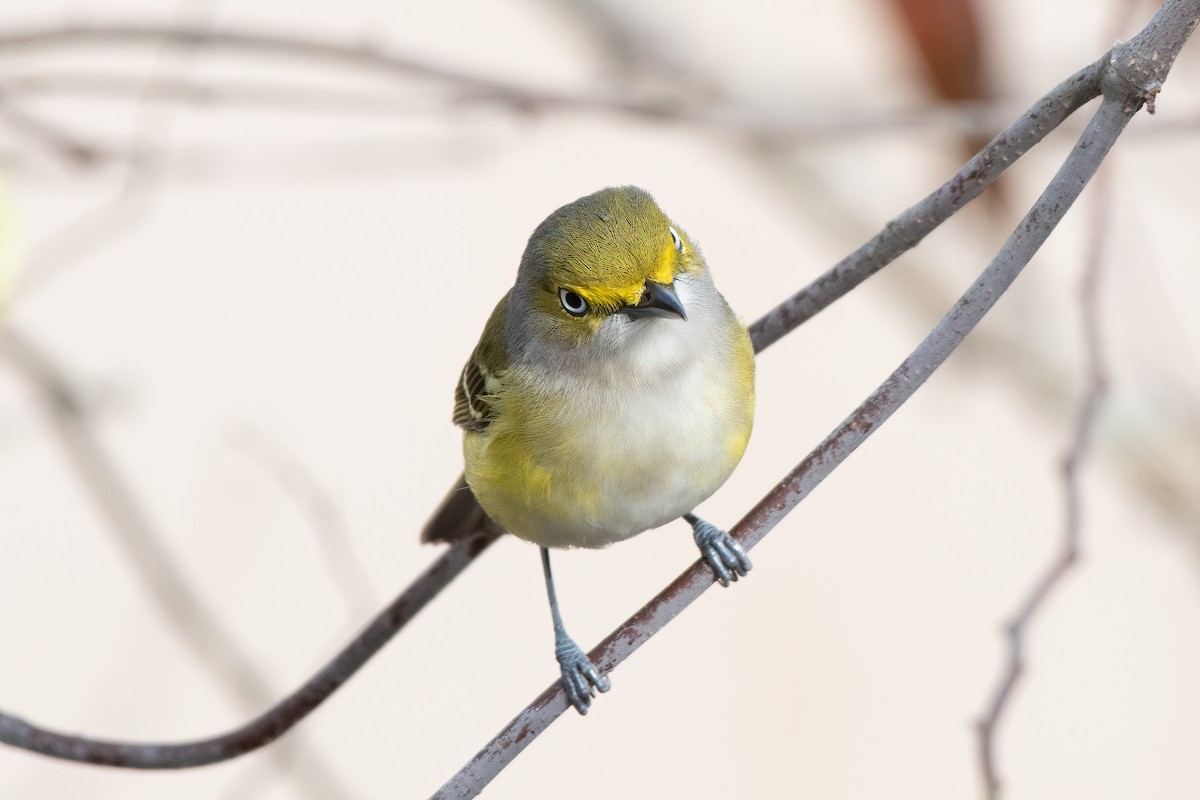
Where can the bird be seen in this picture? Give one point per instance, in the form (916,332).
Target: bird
(611,392)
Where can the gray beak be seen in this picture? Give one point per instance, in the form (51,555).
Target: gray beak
(658,300)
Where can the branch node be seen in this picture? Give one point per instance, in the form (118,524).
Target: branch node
(1151,94)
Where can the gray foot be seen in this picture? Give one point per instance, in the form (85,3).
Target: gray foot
(580,676)
(722,552)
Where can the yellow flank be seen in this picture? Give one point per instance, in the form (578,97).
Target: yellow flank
(512,466)
(736,446)
(743,366)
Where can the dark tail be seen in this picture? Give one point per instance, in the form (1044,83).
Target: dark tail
(458,517)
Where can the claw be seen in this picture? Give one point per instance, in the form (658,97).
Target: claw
(581,679)
(723,553)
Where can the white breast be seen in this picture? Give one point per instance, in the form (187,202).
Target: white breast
(646,438)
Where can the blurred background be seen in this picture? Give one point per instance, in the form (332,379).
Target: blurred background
(246,248)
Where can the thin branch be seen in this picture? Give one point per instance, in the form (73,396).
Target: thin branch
(140,181)
(129,522)
(463,86)
(630,49)
(138,538)
(237,92)
(966,118)
(65,144)
(365,56)
(372,58)
(1077,451)
(1127,83)
(907,230)
(303,490)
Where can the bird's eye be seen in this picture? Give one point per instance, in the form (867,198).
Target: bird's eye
(575,305)
(675,237)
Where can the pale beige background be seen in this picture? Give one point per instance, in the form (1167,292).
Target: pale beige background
(304,286)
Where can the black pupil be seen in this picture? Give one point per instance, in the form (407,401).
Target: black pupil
(573,301)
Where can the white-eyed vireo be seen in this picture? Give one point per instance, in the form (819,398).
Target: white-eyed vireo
(612,391)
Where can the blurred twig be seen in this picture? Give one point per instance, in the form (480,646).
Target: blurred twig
(128,521)
(363,55)
(792,125)
(137,189)
(165,580)
(1077,451)
(458,86)
(57,139)
(308,495)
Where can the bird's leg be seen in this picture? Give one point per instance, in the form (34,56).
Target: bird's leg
(722,552)
(578,673)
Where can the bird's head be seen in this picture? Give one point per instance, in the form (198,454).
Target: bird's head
(601,264)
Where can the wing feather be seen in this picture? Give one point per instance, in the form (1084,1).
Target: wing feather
(480,376)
